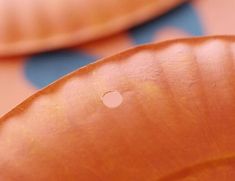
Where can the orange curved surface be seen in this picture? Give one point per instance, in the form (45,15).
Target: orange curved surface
(156,112)
(28,26)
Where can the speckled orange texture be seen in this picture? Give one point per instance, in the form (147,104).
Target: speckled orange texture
(176,120)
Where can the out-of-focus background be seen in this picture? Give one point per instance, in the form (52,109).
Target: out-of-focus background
(22,76)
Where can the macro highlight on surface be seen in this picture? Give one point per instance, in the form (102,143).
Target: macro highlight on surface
(117,90)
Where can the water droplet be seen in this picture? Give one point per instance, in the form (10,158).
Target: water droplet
(112,99)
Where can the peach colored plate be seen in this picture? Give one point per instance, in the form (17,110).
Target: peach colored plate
(28,26)
(160,112)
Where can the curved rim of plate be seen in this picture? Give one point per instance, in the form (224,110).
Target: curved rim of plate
(67,40)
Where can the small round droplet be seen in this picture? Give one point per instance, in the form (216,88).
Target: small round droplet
(112,99)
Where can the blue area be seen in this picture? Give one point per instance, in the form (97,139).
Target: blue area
(42,69)
(183,17)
